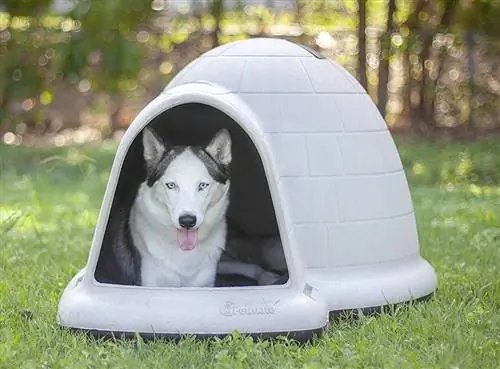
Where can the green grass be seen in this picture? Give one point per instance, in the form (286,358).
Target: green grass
(48,209)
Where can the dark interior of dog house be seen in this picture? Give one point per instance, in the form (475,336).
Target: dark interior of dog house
(250,216)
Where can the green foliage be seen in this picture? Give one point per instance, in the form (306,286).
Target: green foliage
(95,41)
(48,210)
(28,62)
(107,37)
(112,44)
(21,75)
(26,7)
(482,16)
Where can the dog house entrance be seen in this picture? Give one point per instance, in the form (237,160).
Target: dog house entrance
(253,239)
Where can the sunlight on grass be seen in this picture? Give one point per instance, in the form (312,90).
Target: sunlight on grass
(484,190)
(418,168)
(464,166)
(456,164)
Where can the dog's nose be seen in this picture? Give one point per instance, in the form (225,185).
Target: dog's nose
(187,221)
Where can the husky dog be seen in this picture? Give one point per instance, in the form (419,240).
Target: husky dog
(176,229)
(177,221)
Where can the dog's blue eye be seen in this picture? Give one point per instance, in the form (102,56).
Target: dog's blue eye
(170,185)
(202,186)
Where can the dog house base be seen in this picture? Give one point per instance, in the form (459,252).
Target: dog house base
(298,336)
(123,311)
(338,315)
(374,286)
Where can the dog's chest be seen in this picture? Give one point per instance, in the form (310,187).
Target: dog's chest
(185,268)
(167,265)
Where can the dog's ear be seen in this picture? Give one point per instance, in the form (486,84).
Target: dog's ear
(220,147)
(154,148)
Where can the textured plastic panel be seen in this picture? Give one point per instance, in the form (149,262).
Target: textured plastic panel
(312,239)
(372,242)
(369,153)
(373,197)
(291,153)
(267,108)
(321,147)
(266,47)
(358,113)
(311,199)
(224,72)
(326,77)
(310,113)
(271,75)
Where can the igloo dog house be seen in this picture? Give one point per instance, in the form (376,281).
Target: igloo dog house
(313,162)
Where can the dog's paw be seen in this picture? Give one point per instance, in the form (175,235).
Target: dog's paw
(268,278)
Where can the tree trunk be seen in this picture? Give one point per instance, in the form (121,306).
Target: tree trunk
(385,53)
(411,83)
(406,94)
(428,85)
(300,8)
(425,53)
(4,114)
(471,64)
(217,12)
(114,117)
(362,77)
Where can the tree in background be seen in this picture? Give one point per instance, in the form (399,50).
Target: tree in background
(478,20)
(440,19)
(217,13)
(26,59)
(107,50)
(362,43)
(384,58)
(433,32)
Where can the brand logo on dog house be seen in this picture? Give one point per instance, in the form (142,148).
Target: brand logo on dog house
(318,213)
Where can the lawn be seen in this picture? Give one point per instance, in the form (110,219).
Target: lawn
(49,200)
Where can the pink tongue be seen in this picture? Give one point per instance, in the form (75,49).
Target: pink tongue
(187,238)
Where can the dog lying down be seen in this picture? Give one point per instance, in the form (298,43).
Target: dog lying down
(178,224)
(260,259)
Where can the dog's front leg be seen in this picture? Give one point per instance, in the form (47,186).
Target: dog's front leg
(252,271)
(205,278)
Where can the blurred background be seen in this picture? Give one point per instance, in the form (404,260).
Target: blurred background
(74,71)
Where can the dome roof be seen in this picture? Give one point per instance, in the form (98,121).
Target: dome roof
(261,47)
(267,65)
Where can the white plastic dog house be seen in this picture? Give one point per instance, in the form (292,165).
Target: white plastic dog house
(314,163)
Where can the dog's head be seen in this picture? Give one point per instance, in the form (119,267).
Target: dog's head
(189,184)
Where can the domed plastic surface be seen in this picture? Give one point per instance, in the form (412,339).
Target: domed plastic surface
(268,66)
(338,187)
(340,174)
(263,47)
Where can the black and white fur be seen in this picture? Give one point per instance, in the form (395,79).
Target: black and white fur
(186,191)
(181,182)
